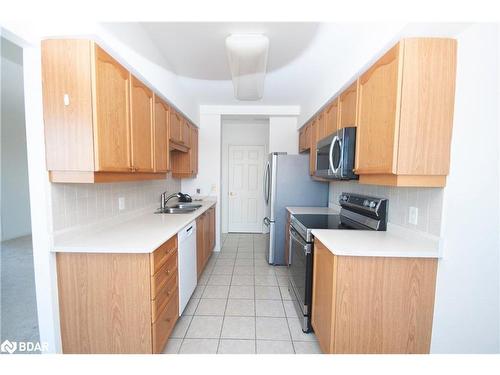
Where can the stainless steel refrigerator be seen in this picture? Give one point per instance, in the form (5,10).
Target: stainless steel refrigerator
(287,183)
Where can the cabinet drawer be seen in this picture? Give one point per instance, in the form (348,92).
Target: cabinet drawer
(160,278)
(165,323)
(162,254)
(164,295)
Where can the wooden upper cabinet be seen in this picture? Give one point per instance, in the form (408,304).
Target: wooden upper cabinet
(405,114)
(175,126)
(331,117)
(161,135)
(98,118)
(304,138)
(142,127)
(112,114)
(321,126)
(194,150)
(185,132)
(313,136)
(348,105)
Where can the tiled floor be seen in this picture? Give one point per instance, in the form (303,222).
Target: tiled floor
(241,306)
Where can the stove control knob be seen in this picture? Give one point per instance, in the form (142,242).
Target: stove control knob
(372,204)
(343,198)
(366,203)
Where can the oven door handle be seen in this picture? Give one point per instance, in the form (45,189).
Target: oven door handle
(296,237)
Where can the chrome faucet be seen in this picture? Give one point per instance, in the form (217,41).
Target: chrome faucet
(164,199)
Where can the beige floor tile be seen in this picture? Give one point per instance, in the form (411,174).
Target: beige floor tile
(222,270)
(191,306)
(243,270)
(181,327)
(305,347)
(229,346)
(173,346)
(216,291)
(274,347)
(296,331)
(290,311)
(285,294)
(238,327)
(219,280)
(225,262)
(271,308)
(240,280)
(240,307)
(267,292)
(199,346)
(272,329)
(266,280)
(244,291)
(205,327)
(211,306)
(198,291)
(283,280)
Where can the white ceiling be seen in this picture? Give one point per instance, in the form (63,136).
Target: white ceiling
(308,62)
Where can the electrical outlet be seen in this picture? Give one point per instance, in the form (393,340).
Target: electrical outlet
(413,215)
(121,203)
(198,191)
(213,188)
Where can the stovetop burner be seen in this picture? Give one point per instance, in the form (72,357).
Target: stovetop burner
(321,221)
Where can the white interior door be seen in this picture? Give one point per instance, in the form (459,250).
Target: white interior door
(245,188)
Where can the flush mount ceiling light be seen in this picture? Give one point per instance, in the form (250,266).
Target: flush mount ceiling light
(247,57)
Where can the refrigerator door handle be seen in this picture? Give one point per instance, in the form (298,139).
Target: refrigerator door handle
(266,184)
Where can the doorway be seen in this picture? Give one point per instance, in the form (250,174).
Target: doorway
(19,318)
(245,143)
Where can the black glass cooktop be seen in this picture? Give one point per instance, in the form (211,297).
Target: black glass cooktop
(321,221)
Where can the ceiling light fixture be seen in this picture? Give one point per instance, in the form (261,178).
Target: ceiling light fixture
(247,57)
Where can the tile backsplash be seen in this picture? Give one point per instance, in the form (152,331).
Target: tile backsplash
(83,204)
(429,202)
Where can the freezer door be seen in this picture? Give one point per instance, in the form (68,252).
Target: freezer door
(273,168)
(270,240)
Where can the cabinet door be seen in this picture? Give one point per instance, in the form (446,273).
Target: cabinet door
(331,114)
(307,137)
(175,126)
(313,139)
(194,150)
(348,104)
(323,298)
(142,126)
(379,103)
(111,114)
(200,244)
(321,131)
(161,136)
(185,132)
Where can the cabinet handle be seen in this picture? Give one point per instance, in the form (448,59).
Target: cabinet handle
(168,320)
(167,272)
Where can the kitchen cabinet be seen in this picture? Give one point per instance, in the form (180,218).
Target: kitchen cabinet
(313,138)
(185,163)
(175,126)
(331,117)
(185,132)
(348,105)
(94,111)
(205,238)
(161,135)
(141,126)
(405,114)
(375,305)
(304,138)
(321,126)
(118,302)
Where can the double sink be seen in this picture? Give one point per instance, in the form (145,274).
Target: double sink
(179,208)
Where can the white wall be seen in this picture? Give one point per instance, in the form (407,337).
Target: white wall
(283,135)
(249,133)
(15,204)
(466,316)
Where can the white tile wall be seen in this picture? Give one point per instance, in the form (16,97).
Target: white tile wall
(83,204)
(429,202)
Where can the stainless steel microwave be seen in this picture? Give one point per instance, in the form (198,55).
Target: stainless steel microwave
(335,155)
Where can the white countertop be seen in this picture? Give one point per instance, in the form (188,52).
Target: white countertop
(142,233)
(312,210)
(395,242)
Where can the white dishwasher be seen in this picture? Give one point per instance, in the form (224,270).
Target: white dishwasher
(187,264)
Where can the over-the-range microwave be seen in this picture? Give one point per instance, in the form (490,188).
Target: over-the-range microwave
(335,155)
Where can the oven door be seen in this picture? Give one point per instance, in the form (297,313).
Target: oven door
(301,271)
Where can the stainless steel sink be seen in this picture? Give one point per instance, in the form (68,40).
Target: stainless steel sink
(180,208)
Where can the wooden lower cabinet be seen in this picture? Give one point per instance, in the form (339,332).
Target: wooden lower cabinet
(372,304)
(118,303)
(205,238)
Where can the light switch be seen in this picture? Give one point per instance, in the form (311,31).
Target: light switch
(66,99)
(121,203)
